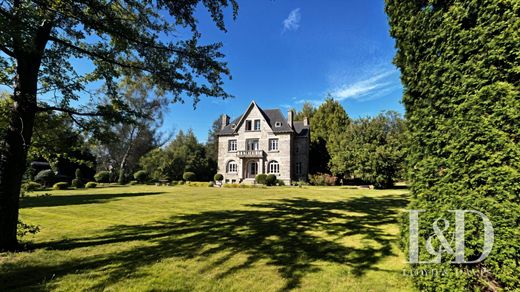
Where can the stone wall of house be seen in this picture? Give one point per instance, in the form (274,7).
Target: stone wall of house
(301,155)
(283,155)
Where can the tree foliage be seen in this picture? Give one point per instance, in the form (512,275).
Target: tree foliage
(328,121)
(459,65)
(39,41)
(370,149)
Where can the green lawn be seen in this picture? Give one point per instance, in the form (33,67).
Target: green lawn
(207,239)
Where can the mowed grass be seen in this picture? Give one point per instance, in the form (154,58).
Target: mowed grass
(208,239)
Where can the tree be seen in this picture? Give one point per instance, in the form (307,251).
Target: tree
(39,39)
(370,149)
(212,145)
(328,121)
(307,111)
(459,67)
(122,144)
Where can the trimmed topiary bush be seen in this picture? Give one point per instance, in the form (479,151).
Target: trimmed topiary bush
(102,177)
(61,186)
(133,183)
(218,177)
(45,177)
(141,176)
(31,186)
(260,178)
(78,184)
(91,185)
(280,182)
(189,176)
(270,180)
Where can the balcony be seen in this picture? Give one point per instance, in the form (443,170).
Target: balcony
(250,153)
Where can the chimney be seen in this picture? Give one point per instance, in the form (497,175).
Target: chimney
(224,121)
(290,118)
(305,121)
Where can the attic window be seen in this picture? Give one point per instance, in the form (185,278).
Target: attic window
(277,124)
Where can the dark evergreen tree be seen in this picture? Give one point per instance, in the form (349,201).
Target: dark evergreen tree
(459,65)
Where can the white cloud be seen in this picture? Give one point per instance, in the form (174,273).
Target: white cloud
(366,89)
(292,22)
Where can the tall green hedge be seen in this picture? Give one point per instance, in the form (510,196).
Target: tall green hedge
(459,63)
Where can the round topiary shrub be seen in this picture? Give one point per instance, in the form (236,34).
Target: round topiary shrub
(61,186)
(189,176)
(31,186)
(211,184)
(260,178)
(91,185)
(141,176)
(45,177)
(218,177)
(77,183)
(270,180)
(102,177)
(280,182)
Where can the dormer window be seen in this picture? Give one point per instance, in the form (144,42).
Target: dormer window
(257,125)
(249,125)
(278,124)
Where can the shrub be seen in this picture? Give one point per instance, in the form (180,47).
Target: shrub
(189,176)
(218,177)
(280,182)
(61,186)
(31,186)
(91,185)
(141,176)
(102,177)
(181,182)
(133,183)
(270,180)
(45,177)
(174,183)
(77,183)
(211,184)
(260,178)
(322,179)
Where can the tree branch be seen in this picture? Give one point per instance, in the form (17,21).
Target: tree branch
(68,111)
(7,51)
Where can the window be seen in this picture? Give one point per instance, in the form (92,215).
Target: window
(232,167)
(273,144)
(298,168)
(274,167)
(257,125)
(232,145)
(252,144)
(278,124)
(248,125)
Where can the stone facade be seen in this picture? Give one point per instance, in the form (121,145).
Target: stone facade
(263,141)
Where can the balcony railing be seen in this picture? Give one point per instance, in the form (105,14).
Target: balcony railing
(250,153)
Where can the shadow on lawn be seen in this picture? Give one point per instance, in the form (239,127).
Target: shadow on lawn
(65,200)
(282,232)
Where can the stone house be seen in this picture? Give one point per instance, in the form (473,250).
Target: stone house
(263,141)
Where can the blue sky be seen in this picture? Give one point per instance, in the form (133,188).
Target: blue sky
(282,53)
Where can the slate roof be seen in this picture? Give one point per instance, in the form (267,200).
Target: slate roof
(271,116)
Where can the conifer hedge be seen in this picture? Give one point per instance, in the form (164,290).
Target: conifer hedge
(460,67)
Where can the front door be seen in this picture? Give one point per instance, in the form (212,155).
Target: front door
(252,169)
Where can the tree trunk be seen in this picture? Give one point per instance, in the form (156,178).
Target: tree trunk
(122,169)
(13,155)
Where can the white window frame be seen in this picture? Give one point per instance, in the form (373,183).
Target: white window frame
(273,142)
(250,124)
(232,142)
(232,167)
(255,123)
(273,167)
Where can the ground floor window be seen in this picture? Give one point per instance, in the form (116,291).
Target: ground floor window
(274,167)
(232,167)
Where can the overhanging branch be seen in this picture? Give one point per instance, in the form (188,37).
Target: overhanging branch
(69,111)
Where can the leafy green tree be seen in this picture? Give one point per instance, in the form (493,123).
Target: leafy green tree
(371,150)
(212,146)
(307,111)
(39,39)
(459,64)
(328,121)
